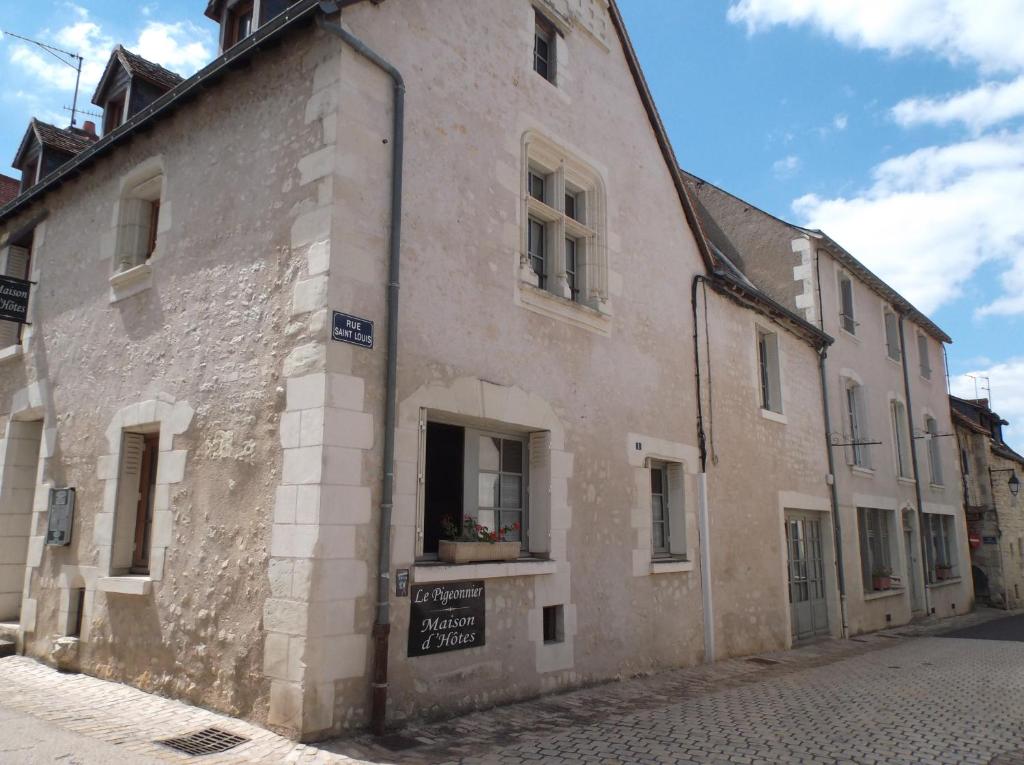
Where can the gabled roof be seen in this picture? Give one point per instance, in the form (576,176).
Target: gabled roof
(68,140)
(136,66)
(848,261)
(9,188)
(213,9)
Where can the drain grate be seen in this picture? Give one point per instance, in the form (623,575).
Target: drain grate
(206,741)
(765,662)
(396,742)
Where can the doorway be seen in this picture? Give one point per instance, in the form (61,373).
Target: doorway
(808,604)
(17,491)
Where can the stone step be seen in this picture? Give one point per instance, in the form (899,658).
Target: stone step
(7,648)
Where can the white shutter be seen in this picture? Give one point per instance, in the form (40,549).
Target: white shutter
(16,265)
(676,508)
(539,492)
(128,485)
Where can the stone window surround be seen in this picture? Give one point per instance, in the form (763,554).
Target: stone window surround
(18,349)
(759,328)
(172,418)
(471,400)
(639,459)
(593,312)
(129,281)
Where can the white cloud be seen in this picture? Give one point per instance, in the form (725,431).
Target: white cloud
(932,217)
(183,47)
(982,107)
(987,33)
(786,167)
(840,121)
(1007,382)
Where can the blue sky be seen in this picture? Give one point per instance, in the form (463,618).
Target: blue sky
(896,127)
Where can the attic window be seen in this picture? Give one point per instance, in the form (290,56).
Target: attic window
(113,113)
(238,23)
(544,37)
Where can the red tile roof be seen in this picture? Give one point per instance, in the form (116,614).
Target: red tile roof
(9,188)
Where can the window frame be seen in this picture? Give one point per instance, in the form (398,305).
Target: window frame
(769,371)
(875,535)
(673,485)
(856,419)
(935,475)
(232,18)
(901,447)
(891,331)
(545,32)
(847,321)
(941,545)
(659,469)
(923,357)
(137,231)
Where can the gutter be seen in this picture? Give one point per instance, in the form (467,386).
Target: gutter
(703,511)
(837,531)
(382,622)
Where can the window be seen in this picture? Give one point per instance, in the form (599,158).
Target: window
(554,624)
(563,252)
(846,312)
(965,463)
(934,453)
(76,611)
(16,264)
(857,420)
(875,550)
(768,371)
(544,46)
(892,335)
(475,474)
(668,519)
(113,113)
(922,356)
(138,223)
(135,494)
(899,439)
(238,24)
(941,546)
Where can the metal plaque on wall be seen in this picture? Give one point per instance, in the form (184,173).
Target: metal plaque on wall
(448,616)
(59,516)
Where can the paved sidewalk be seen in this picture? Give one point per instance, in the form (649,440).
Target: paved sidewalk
(898,696)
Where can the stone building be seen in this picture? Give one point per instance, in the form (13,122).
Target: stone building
(266,453)
(991,473)
(894,458)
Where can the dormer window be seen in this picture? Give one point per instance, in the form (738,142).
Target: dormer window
(239,23)
(129,84)
(113,113)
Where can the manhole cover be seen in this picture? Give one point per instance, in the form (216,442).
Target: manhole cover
(396,742)
(765,662)
(206,741)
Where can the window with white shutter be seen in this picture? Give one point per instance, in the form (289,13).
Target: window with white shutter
(133,514)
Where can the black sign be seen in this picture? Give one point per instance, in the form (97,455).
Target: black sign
(352,329)
(446,617)
(990,540)
(14,299)
(59,517)
(402,583)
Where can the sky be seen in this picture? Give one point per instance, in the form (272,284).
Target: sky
(896,127)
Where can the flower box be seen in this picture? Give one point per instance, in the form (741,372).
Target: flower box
(880,583)
(476,552)
(943,572)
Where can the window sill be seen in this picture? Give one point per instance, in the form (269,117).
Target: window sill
(429,573)
(779,417)
(880,594)
(130,282)
(945,582)
(862,471)
(578,315)
(671,565)
(937,486)
(125,585)
(897,362)
(11,352)
(908,481)
(849,334)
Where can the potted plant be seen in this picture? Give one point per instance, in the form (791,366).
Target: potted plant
(473,543)
(943,571)
(881,578)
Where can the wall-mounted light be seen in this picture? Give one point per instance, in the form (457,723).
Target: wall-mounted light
(1013,483)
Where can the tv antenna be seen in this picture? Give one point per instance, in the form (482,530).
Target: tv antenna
(65,57)
(987,387)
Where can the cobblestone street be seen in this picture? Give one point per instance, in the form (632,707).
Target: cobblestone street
(904,696)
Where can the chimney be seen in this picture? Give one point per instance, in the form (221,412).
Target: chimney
(90,128)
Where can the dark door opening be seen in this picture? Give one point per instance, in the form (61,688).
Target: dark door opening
(442,491)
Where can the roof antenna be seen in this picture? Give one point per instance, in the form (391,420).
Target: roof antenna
(65,57)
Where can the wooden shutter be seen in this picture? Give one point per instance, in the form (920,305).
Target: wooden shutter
(16,265)
(128,483)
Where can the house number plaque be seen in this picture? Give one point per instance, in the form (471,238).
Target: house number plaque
(59,517)
(447,616)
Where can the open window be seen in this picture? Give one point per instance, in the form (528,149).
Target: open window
(856,416)
(480,477)
(138,222)
(133,516)
(900,441)
(847,317)
(238,23)
(768,371)
(668,510)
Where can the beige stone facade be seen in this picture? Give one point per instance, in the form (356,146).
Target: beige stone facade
(664,416)
(992,503)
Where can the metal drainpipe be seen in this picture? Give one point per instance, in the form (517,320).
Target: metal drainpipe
(836,525)
(917,478)
(703,519)
(382,623)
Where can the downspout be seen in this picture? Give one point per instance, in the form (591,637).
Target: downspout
(382,622)
(834,494)
(703,521)
(917,478)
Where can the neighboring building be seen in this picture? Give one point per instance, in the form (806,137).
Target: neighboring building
(229,457)
(895,463)
(9,189)
(991,473)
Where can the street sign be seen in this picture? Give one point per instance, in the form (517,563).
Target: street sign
(352,329)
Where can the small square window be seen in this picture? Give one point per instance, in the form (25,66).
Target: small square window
(554,624)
